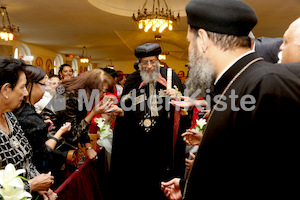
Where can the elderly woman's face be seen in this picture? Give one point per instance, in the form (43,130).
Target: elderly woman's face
(17,95)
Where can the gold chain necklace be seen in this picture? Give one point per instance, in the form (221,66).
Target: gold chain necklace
(223,93)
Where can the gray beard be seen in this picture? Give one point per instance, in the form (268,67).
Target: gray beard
(150,78)
(201,75)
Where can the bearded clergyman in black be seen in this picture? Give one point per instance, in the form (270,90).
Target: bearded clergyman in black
(250,145)
(143,150)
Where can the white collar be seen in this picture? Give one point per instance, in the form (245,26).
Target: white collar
(228,67)
(47,94)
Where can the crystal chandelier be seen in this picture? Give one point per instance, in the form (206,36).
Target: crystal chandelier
(10,31)
(159,18)
(83,57)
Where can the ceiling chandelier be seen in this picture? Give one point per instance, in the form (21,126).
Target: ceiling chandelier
(10,31)
(83,57)
(159,18)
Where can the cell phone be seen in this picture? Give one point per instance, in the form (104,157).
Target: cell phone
(50,127)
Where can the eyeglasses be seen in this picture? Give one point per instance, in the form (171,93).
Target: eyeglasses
(152,62)
(53,83)
(42,84)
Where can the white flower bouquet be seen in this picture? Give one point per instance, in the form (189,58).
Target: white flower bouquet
(105,134)
(200,125)
(104,128)
(11,185)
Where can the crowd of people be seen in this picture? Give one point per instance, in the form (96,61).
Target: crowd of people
(243,95)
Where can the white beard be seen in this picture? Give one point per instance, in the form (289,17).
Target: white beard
(150,77)
(201,74)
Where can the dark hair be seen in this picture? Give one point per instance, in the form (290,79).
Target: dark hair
(53,75)
(51,72)
(224,41)
(61,68)
(90,80)
(120,75)
(111,72)
(181,71)
(10,70)
(33,74)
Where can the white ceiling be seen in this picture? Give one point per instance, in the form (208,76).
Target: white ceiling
(65,26)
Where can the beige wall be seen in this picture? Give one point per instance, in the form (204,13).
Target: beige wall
(45,54)
(35,51)
(127,66)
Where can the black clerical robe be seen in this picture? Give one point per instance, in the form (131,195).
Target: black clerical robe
(142,151)
(292,67)
(250,153)
(268,48)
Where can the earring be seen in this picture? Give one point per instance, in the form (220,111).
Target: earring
(6,97)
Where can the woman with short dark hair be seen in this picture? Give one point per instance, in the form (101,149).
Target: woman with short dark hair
(14,146)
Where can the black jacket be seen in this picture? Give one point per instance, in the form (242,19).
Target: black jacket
(36,131)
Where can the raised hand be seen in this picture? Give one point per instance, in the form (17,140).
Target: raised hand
(186,103)
(171,93)
(192,137)
(189,103)
(65,128)
(114,110)
(103,106)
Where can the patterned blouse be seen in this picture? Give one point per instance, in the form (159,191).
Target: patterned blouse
(64,108)
(15,148)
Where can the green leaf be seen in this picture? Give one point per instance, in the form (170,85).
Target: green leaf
(21,177)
